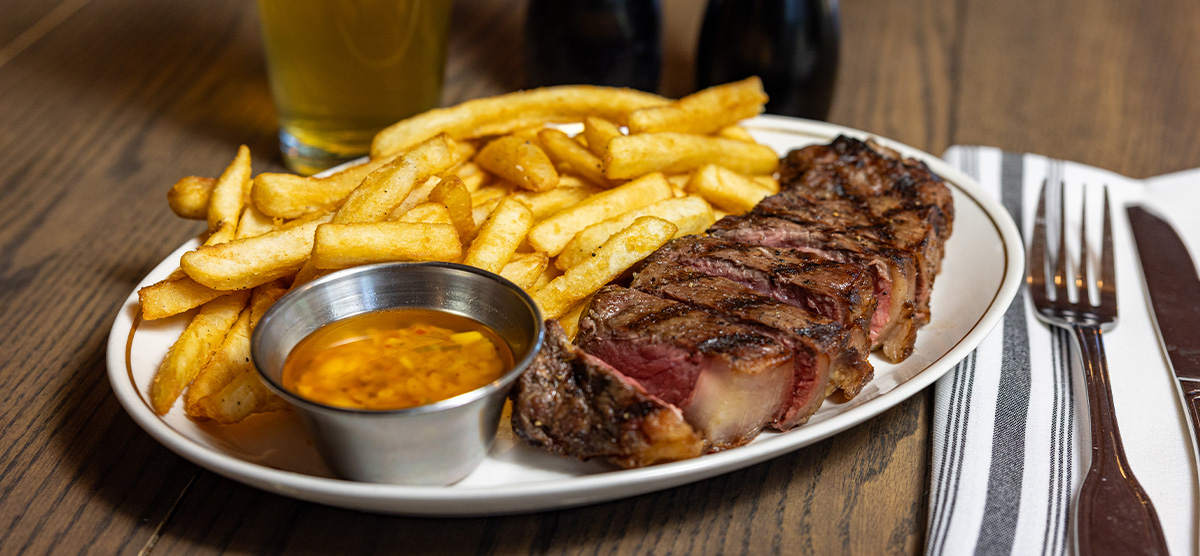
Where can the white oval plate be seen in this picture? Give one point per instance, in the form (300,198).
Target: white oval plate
(984,261)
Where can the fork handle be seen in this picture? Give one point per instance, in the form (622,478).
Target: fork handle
(1113,514)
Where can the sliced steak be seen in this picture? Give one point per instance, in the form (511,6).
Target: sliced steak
(573,404)
(838,291)
(815,341)
(729,379)
(894,324)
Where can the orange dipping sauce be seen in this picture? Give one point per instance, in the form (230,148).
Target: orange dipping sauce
(395,359)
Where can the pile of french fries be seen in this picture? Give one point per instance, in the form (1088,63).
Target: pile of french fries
(494,183)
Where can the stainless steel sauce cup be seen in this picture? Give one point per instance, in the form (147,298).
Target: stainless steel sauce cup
(435,444)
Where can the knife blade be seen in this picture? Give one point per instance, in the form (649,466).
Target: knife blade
(1174,291)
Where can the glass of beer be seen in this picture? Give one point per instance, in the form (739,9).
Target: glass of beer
(341,70)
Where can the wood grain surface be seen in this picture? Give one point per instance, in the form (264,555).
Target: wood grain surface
(105,103)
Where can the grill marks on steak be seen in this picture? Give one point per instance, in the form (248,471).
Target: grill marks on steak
(815,341)
(729,379)
(574,404)
(838,291)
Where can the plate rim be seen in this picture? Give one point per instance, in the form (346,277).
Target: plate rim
(559,493)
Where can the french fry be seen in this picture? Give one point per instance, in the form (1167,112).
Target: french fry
(519,161)
(428,213)
(472,176)
(546,203)
(570,320)
(248,262)
(230,192)
(233,356)
(630,156)
(289,195)
(703,112)
(618,254)
(572,157)
(452,194)
(243,396)
(188,198)
(174,295)
(346,245)
(388,186)
(551,235)
(500,235)
(524,269)
(253,223)
(735,132)
(503,114)
(691,214)
(418,195)
(194,348)
(726,189)
(598,131)
(769,182)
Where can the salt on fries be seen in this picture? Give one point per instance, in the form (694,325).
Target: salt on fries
(494,183)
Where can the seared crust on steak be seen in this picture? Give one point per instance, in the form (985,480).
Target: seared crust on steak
(573,404)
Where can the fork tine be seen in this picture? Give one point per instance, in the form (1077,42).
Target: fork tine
(1108,271)
(1061,298)
(1036,280)
(1083,274)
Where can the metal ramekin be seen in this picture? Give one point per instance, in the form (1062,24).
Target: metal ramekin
(435,444)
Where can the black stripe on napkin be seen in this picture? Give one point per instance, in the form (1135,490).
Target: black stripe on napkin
(1002,507)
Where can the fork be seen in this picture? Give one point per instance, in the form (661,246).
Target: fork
(1113,515)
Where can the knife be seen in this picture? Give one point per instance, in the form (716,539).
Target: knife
(1174,291)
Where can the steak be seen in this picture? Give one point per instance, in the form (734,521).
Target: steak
(893,325)
(815,341)
(838,291)
(573,404)
(729,379)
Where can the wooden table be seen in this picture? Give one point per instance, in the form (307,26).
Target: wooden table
(105,103)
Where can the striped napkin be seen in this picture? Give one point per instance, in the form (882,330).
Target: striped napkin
(1010,423)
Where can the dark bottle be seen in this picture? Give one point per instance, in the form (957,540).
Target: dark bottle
(791,44)
(597,42)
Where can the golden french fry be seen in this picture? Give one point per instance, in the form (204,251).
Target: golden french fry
(735,132)
(703,112)
(524,269)
(253,223)
(570,320)
(452,194)
(418,195)
(388,186)
(634,155)
(230,192)
(551,235)
(546,203)
(346,245)
(429,213)
(500,235)
(233,356)
(598,131)
(174,295)
(548,274)
(618,254)
(519,161)
(194,348)
(248,262)
(472,176)
(243,396)
(289,195)
(572,157)
(769,182)
(691,214)
(506,113)
(189,197)
(726,189)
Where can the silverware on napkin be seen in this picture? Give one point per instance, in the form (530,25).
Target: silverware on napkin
(1174,292)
